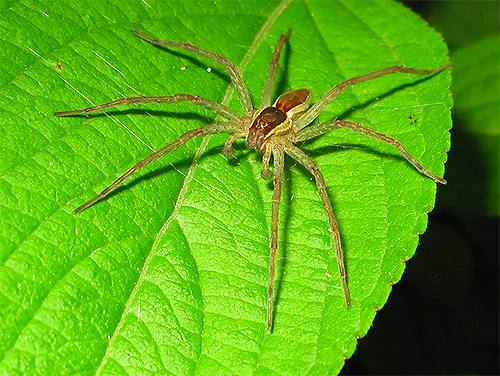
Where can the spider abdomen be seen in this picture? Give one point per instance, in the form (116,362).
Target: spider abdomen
(293,102)
(268,119)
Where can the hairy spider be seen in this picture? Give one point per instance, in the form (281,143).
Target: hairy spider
(273,129)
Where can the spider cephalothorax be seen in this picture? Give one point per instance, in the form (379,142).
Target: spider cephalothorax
(273,130)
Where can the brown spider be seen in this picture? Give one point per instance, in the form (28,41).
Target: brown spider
(273,129)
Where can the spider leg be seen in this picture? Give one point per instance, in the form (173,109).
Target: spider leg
(265,173)
(208,129)
(313,168)
(217,108)
(228,149)
(330,95)
(312,132)
(238,82)
(279,162)
(273,70)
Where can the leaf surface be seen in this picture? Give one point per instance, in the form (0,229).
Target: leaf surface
(169,274)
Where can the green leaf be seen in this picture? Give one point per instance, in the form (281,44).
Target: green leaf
(169,274)
(474,160)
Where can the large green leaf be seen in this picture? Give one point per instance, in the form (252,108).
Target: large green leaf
(475,162)
(169,274)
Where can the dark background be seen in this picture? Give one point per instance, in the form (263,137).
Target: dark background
(443,316)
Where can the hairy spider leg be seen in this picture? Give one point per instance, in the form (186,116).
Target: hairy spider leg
(313,168)
(217,108)
(228,149)
(279,163)
(273,70)
(208,129)
(265,173)
(236,77)
(320,129)
(330,95)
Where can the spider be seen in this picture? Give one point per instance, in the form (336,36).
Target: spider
(274,130)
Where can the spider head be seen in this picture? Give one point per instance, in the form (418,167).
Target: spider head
(265,122)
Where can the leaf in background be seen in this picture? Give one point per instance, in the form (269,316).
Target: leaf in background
(474,161)
(169,274)
(461,22)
